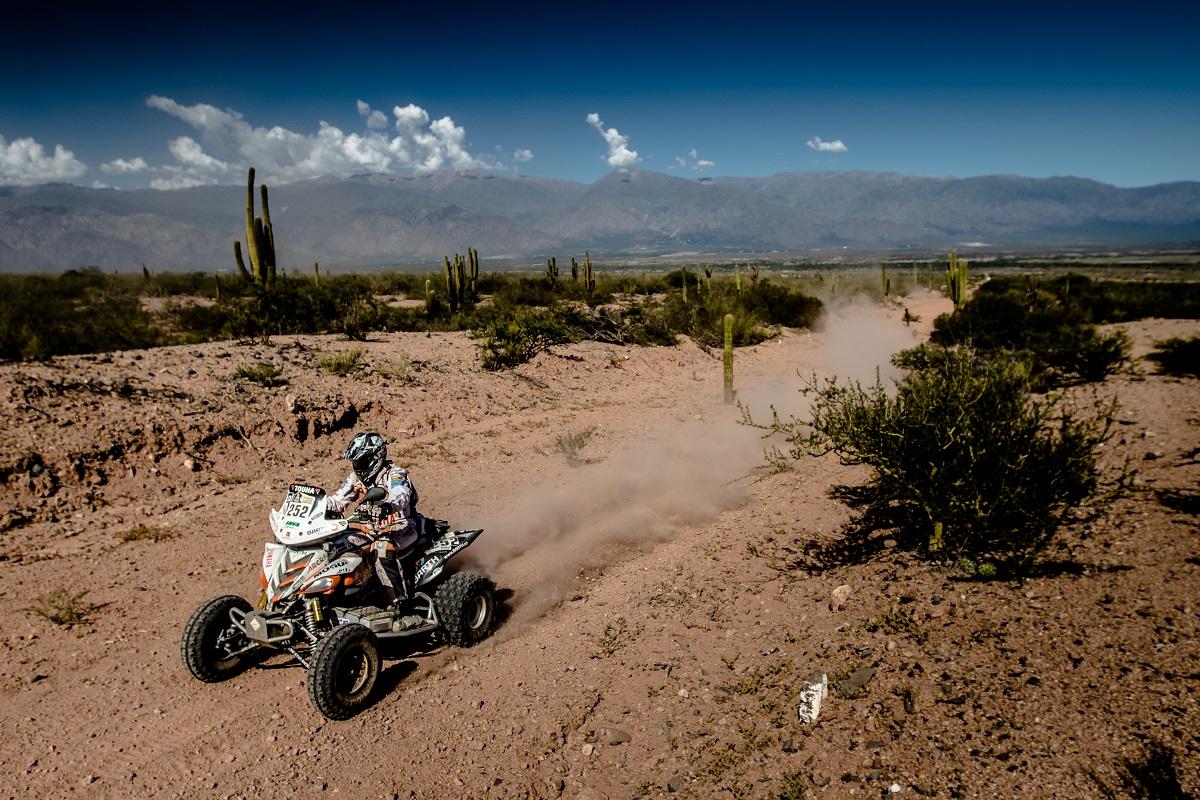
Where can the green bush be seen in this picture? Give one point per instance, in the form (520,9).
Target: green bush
(81,311)
(342,363)
(1044,324)
(1177,356)
(964,442)
(519,335)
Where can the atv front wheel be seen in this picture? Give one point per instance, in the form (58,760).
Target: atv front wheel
(466,607)
(343,671)
(211,642)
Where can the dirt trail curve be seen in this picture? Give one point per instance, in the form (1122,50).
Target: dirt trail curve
(662,616)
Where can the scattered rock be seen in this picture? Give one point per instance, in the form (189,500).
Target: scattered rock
(837,598)
(1153,455)
(675,783)
(291,404)
(811,696)
(856,682)
(34,678)
(615,736)
(589,748)
(191,465)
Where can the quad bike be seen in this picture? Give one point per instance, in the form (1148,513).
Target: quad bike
(322,603)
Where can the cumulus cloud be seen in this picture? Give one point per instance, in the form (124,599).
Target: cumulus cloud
(619,154)
(123,166)
(24,162)
(693,161)
(522,154)
(375,119)
(227,142)
(836,146)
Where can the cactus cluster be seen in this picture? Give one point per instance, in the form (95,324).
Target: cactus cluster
(552,271)
(956,280)
(589,275)
(461,278)
(260,240)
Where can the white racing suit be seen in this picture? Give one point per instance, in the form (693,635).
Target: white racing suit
(397,522)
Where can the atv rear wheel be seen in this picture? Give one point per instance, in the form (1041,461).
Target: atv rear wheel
(210,638)
(343,671)
(466,607)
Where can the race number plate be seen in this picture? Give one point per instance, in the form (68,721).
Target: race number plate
(299,501)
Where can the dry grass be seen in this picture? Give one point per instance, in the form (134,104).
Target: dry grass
(63,608)
(344,362)
(143,533)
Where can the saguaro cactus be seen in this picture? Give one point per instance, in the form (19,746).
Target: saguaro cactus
(260,239)
(472,272)
(428,296)
(316,272)
(885,281)
(737,276)
(729,359)
(453,288)
(956,280)
(552,271)
(589,275)
(574,269)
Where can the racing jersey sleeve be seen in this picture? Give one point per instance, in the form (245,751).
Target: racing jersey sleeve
(350,491)
(401,495)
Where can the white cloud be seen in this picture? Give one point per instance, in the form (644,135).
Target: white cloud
(836,146)
(375,119)
(228,143)
(693,161)
(619,154)
(522,154)
(24,162)
(122,166)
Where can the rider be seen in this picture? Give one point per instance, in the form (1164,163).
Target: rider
(397,521)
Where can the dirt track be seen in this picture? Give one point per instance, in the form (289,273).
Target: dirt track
(655,596)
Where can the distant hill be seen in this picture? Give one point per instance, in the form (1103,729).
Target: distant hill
(396,219)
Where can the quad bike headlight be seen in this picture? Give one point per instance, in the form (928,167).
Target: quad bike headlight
(322,585)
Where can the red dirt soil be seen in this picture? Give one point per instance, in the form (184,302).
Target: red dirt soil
(662,618)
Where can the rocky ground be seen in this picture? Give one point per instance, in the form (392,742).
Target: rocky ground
(662,616)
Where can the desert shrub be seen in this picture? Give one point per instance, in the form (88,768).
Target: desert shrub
(779,305)
(1178,357)
(571,446)
(143,533)
(1054,333)
(963,442)
(263,373)
(81,311)
(1114,300)
(519,334)
(342,363)
(62,607)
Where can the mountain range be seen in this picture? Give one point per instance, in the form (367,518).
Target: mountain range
(377,219)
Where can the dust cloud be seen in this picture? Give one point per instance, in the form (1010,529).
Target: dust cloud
(647,492)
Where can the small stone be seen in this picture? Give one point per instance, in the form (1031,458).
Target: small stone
(838,597)
(1153,455)
(811,696)
(191,465)
(34,678)
(890,646)
(291,404)
(890,544)
(894,788)
(683,692)
(675,783)
(615,736)
(589,748)
(477,745)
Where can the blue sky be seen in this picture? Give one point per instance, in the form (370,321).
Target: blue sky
(751,88)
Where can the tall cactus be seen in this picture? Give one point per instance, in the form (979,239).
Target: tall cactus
(316,273)
(589,275)
(885,281)
(574,269)
(472,272)
(453,290)
(260,239)
(729,359)
(956,280)
(737,276)
(428,296)
(552,271)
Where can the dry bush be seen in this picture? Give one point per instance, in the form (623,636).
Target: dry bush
(143,533)
(342,363)
(62,607)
